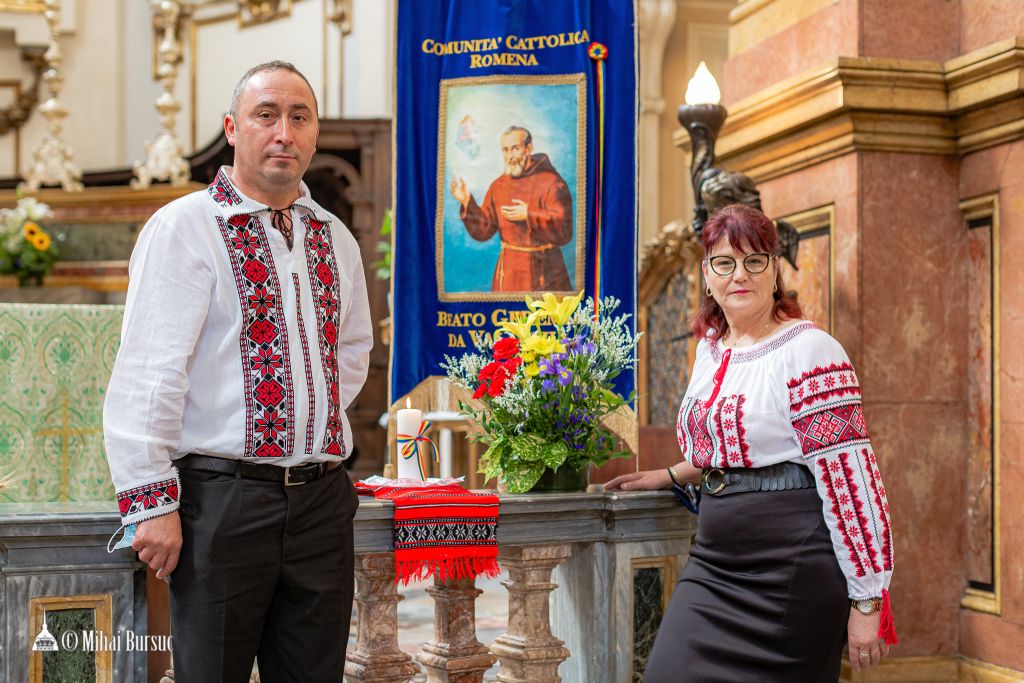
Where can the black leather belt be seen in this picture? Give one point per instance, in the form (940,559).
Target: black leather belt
(719,481)
(289,476)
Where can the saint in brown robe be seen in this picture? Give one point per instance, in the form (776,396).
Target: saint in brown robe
(531,258)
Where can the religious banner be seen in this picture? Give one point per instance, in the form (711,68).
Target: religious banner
(515,168)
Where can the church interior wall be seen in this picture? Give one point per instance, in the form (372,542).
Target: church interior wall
(983,23)
(909,29)
(700,33)
(110,86)
(786,50)
(91,46)
(996,637)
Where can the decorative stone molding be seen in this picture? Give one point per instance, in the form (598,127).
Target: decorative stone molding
(969,103)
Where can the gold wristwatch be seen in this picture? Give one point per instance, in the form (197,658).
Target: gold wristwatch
(868,606)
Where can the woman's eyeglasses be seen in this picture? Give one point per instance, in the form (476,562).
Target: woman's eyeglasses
(753,263)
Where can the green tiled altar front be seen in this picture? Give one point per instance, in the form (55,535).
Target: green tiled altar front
(55,362)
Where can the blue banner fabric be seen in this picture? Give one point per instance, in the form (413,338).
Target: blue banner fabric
(515,167)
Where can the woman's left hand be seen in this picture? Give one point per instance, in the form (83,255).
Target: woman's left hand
(866,648)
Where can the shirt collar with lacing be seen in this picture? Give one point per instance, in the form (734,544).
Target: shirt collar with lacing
(232,202)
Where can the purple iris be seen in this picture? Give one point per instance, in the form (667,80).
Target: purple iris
(549,366)
(564,376)
(548,385)
(589,348)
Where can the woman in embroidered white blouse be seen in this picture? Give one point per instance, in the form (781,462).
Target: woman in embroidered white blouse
(793,554)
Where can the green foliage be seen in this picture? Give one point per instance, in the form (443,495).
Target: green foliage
(382,266)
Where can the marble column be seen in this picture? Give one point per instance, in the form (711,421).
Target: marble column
(455,655)
(529,652)
(376,656)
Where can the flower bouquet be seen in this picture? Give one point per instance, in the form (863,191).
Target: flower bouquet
(26,250)
(544,382)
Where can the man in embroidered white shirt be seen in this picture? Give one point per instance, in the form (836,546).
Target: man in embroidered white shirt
(246,334)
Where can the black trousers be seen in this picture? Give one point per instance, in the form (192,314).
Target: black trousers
(266,572)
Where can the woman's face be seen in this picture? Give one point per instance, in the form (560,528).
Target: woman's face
(742,282)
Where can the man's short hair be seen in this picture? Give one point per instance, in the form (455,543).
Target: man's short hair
(528,140)
(273,65)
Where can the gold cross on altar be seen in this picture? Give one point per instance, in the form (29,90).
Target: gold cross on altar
(65,432)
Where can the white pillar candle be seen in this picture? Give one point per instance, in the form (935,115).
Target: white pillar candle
(409,420)
(444,444)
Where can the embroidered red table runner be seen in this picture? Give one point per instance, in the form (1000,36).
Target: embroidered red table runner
(441,529)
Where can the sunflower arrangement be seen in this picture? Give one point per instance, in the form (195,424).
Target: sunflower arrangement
(27,250)
(545,382)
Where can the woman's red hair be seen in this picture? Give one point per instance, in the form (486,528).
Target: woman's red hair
(746,229)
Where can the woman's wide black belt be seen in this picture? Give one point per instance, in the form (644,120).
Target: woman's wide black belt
(721,481)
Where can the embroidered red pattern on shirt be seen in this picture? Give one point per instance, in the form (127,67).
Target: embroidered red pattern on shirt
(267,376)
(822,384)
(840,500)
(323,278)
(222,191)
(147,497)
(743,356)
(306,364)
(726,446)
(732,444)
(882,505)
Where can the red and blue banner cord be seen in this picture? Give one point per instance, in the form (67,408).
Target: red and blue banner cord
(598,52)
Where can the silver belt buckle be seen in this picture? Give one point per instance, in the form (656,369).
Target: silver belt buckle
(288,478)
(717,486)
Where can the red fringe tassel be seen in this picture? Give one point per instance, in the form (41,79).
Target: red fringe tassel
(445,568)
(887,626)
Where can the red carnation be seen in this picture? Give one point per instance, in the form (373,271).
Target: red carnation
(506,348)
(497,385)
(480,390)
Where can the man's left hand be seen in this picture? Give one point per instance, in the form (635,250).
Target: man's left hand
(515,212)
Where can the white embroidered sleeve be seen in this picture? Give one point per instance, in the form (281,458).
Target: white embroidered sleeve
(828,417)
(170,281)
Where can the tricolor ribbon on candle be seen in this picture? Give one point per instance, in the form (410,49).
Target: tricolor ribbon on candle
(409,447)
(598,52)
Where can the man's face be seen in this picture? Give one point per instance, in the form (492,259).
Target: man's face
(274,130)
(514,153)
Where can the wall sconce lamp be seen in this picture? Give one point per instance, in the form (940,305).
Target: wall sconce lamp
(702,116)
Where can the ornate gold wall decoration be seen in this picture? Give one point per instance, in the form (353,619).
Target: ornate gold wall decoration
(52,164)
(253,12)
(341,14)
(15,115)
(32,6)
(165,160)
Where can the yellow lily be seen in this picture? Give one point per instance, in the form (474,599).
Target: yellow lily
(521,330)
(554,309)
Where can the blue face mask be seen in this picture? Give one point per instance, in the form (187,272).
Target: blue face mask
(126,540)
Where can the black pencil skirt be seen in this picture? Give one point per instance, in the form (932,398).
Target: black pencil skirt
(762,598)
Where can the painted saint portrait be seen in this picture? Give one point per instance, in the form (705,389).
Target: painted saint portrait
(511,206)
